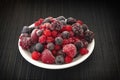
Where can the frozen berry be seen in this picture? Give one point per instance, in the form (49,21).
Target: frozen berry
(25,42)
(65,41)
(70,50)
(58,40)
(83,51)
(34,36)
(60,18)
(57,25)
(85,43)
(47,33)
(39,32)
(79,44)
(36,55)
(37,23)
(65,34)
(39,47)
(68,59)
(60,52)
(50,46)
(59,59)
(57,47)
(85,27)
(47,57)
(54,33)
(49,39)
(71,20)
(42,39)
(89,35)
(68,28)
(32,48)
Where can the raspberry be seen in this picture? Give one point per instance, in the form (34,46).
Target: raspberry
(42,39)
(65,41)
(54,33)
(80,22)
(85,27)
(83,51)
(50,39)
(37,23)
(47,33)
(68,59)
(68,28)
(25,42)
(57,47)
(71,40)
(36,55)
(42,26)
(34,36)
(70,50)
(54,52)
(47,57)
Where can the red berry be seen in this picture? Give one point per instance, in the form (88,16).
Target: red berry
(80,22)
(54,33)
(65,41)
(71,40)
(50,39)
(47,33)
(63,28)
(54,52)
(68,28)
(36,55)
(83,51)
(37,23)
(42,39)
(68,59)
(47,57)
(42,26)
(71,33)
(57,47)
(70,50)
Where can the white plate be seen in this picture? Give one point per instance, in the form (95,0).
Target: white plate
(79,59)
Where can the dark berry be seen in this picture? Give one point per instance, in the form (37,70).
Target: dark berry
(89,35)
(65,34)
(57,25)
(71,20)
(58,40)
(50,46)
(77,29)
(85,27)
(60,18)
(39,47)
(79,44)
(54,33)
(60,52)
(85,43)
(59,59)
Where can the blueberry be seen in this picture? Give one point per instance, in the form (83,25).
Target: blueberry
(59,59)
(39,47)
(39,32)
(58,40)
(65,34)
(60,18)
(85,27)
(79,44)
(89,35)
(50,46)
(26,29)
(71,20)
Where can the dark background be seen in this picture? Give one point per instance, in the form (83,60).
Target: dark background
(102,17)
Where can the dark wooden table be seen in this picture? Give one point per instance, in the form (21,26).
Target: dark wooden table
(101,17)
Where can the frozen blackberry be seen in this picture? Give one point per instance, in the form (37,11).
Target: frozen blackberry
(39,47)
(39,32)
(57,25)
(71,20)
(89,35)
(77,29)
(65,34)
(50,46)
(60,18)
(58,40)
(26,29)
(79,44)
(59,59)
(85,27)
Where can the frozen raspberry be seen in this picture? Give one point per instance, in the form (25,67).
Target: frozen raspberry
(80,22)
(34,36)
(65,41)
(58,41)
(42,39)
(54,33)
(25,42)
(37,23)
(36,55)
(68,28)
(60,18)
(59,59)
(68,59)
(71,40)
(47,57)
(50,46)
(57,47)
(65,34)
(71,20)
(47,32)
(43,26)
(49,39)
(70,50)
(83,51)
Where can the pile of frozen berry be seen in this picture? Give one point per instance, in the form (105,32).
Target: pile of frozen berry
(56,40)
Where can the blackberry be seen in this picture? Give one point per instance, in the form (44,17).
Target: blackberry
(60,18)
(39,47)
(65,34)
(58,40)
(50,46)
(59,59)
(26,29)
(71,20)
(57,25)
(85,27)
(89,35)
(77,29)
(79,44)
